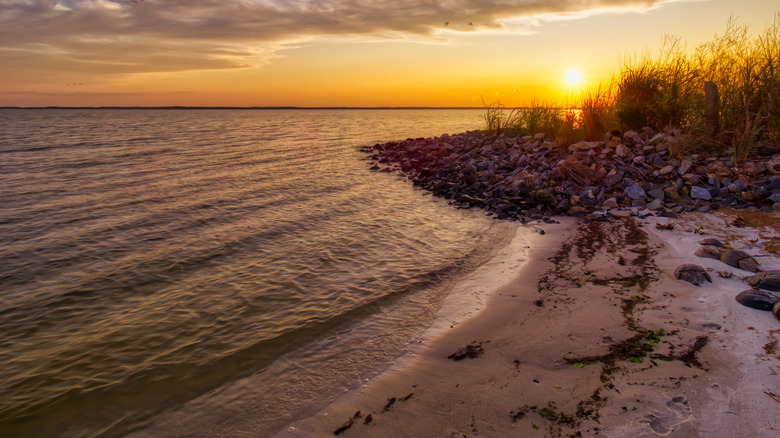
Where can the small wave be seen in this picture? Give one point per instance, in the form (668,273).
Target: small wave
(142,272)
(30,149)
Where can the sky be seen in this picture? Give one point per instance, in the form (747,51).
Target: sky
(314,53)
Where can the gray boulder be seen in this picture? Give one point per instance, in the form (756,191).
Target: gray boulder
(700,193)
(636,192)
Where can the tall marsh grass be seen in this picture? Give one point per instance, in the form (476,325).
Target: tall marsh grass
(667,92)
(533,119)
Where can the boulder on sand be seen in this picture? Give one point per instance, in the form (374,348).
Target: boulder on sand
(757,299)
(739,259)
(691,273)
(769,280)
(712,242)
(708,251)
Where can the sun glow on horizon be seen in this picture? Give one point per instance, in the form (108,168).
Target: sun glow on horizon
(573,77)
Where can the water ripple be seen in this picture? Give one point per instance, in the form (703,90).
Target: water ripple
(148,257)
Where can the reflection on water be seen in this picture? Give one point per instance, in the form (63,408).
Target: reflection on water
(150,256)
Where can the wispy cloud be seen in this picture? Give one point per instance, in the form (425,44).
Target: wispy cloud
(125,36)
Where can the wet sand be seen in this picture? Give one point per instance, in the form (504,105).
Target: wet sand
(592,336)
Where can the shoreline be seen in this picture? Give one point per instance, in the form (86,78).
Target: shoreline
(444,336)
(592,337)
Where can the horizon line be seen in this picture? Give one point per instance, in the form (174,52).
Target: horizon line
(286,107)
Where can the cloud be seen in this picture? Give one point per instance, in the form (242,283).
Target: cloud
(126,37)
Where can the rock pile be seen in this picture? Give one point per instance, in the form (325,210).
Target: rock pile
(531,177)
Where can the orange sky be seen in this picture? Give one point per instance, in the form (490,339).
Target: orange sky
(334,53)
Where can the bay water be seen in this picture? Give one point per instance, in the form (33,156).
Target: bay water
(165,272)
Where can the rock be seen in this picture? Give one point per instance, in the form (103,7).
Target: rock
(620,213)
(775,198)
(691,273)
(737,186)
(610,203)
(658,162)
(685,166)
(708,251)
(655,205)
(583,146)
(700,193)
(769,280)
(656,193)
(613,178)
(632,138)
(588,198)
(666,170)
(712,242)
(757,299)
(749,196)
(636,192)
(658,138)
(672,194)
(544,197)
(739,259)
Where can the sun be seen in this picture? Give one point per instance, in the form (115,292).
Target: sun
(573,77)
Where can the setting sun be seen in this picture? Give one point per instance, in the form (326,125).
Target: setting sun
(573,77)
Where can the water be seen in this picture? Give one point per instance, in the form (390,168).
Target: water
(166,271)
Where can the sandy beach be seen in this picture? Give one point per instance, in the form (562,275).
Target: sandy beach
(587,332)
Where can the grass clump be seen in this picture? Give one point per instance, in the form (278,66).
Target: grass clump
(535,118)
(663,93)
(598,112)
(498,118)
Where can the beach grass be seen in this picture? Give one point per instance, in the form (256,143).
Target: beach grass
(666,92)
